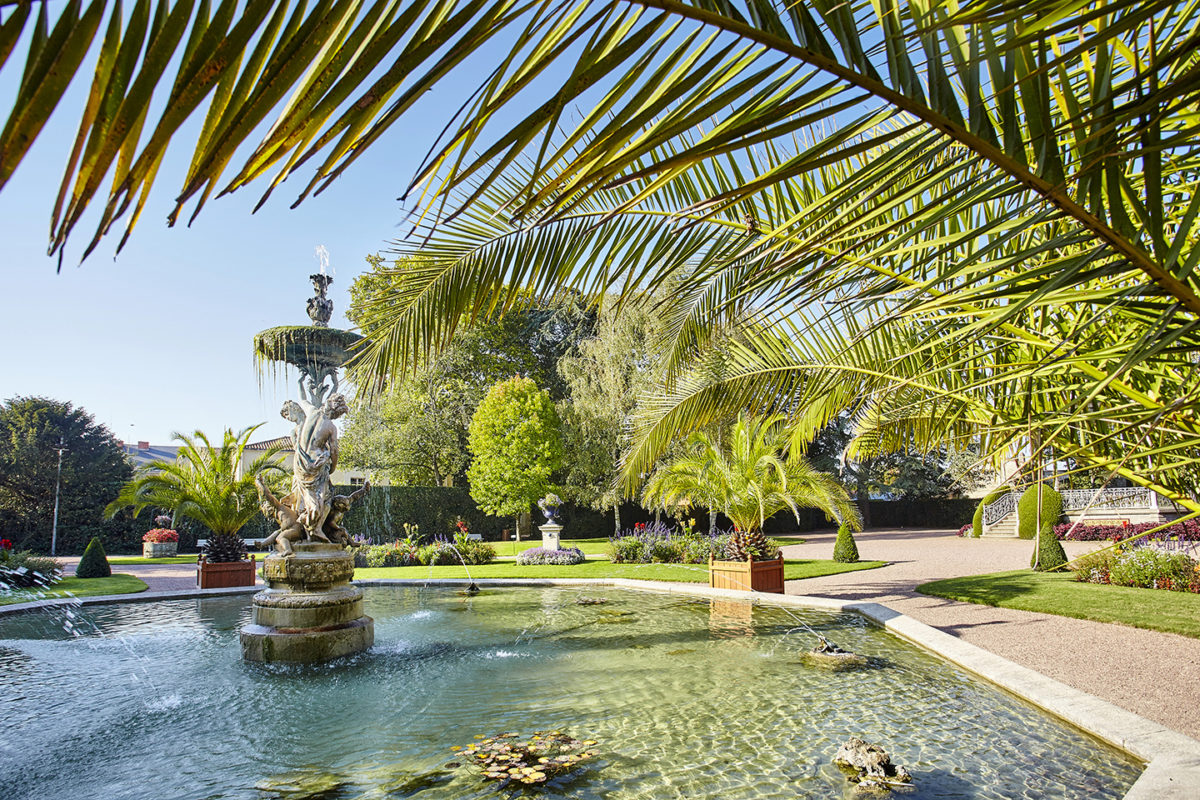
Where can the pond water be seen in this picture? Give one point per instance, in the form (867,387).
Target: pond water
(686,698)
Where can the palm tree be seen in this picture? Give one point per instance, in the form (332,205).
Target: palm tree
(751,479)
(205,483)
(967,169)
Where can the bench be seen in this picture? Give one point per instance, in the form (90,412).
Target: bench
(474,537)
(250,543)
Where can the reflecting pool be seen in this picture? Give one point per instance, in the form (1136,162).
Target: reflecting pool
(685,697)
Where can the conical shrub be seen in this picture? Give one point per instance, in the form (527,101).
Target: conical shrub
(1050,553)
(845,550)
(94,563)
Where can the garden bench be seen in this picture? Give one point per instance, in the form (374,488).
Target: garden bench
(250,543)
(474,537)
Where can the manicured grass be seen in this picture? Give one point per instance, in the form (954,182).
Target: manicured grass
(85,587)
(133,562)
(1059,593)
(601,568)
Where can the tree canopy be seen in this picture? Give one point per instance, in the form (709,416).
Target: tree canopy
(93,468)
(515,447)
(414,429)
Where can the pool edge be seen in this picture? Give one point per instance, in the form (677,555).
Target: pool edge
(1172,759)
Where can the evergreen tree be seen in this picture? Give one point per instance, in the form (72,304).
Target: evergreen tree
(845,550)
(94,563)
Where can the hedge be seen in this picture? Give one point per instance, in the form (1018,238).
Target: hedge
(1027,510)
(940,513)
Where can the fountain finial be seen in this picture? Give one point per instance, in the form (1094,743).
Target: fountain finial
(320,307)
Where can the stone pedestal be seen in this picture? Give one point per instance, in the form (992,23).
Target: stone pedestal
(550,532)
(310,613)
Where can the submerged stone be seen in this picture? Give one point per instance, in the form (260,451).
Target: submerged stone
(870,767)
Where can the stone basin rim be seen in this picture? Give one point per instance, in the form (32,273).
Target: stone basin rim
(1172,759)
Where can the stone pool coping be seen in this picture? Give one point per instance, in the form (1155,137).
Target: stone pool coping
(1172,770)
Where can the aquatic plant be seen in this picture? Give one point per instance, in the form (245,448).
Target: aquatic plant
(544,755)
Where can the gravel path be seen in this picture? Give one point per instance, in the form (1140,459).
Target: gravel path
(1156,675)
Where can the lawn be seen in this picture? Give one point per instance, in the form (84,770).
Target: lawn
(1059,593)
(85,587)
(602,568)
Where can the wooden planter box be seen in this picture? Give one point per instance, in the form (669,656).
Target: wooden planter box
(746,576)
(159,549)
(225,575)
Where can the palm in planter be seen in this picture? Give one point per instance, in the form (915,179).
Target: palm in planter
(750,477)
(207,484)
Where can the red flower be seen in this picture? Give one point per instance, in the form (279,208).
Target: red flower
(6,544)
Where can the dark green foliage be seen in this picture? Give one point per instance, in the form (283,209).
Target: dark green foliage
(1027,511)
(1050,553)
(94,563)
(223,548)
(977,519)
(93,469)
(845,550)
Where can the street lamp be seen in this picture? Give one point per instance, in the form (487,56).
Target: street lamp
(57,483)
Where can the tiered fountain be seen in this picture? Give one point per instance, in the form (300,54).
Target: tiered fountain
(310,612)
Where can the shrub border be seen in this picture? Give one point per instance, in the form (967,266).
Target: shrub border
(1172,759)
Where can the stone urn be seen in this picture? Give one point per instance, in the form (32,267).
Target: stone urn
(309,612)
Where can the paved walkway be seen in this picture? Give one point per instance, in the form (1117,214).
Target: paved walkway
(1156,675)
(158,577)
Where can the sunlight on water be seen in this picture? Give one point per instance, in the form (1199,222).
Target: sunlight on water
(687,699)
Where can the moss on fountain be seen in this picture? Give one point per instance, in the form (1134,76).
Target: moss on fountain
(305,346)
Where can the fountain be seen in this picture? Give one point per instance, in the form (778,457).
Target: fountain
(309,612)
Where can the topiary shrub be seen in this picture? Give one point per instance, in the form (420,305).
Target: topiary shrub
(845,550)
(990,497)
(94,563)
(1050,553)
(1027,511)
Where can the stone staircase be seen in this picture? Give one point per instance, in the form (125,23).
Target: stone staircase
(1004,529)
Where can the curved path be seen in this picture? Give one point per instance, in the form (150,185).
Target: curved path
(1156,675)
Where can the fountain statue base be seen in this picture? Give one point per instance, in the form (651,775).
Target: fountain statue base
(310,613)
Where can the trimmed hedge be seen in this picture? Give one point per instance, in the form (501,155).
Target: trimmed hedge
(1027,511)
(950,512)
(94,563)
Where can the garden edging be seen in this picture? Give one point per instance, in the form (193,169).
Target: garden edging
(1172,759)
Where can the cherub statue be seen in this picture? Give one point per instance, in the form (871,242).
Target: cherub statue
(338,506)
(290,530)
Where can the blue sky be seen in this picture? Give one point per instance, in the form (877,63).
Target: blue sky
(159,340)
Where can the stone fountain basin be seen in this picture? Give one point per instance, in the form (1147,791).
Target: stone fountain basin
(411,692)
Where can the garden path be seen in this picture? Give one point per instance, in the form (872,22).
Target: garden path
(1156,675)
(158,577)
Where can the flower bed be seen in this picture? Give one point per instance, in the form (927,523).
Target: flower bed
(658,543)
(160,536)
(540,555)
(1140,567)
(1188,530)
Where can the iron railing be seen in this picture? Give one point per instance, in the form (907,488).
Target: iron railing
(1075,500)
